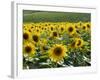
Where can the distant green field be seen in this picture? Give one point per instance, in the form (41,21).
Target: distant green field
(44,16)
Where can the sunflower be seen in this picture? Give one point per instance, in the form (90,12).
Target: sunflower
(39,26)
(51,28)
(26,35)
(29,49)
(42,28)
(57,52)
(84,27)
(78,43)
(25,27)
(76,25)
(61,28)
(46,28)
(35,38)
(88,25)
(80,23)
(54,34)
(32,28)
(71,29)
(37,31)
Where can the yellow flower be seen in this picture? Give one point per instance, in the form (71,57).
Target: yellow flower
(37,31)
(35,38)
(78,42)
(26,35)
(51,28)
(71,29)
(42,28)
(80,23)
(77,26)
(61,28)
(29,49)
(54,34)
(57,52)
(84,27)
(88,25)
(25,27)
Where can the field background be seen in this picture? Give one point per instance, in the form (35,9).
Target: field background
(46,16)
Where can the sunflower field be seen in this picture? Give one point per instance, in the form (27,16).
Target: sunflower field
(52,42)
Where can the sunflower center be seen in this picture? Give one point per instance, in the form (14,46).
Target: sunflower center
(45,24)
(62,29)
(35,38)
(58,51)
(55,34)
(37,30)
(88,25)
(32,27)
(79,43)
(29,30)
(28,49)
(70,29)
(51,28)
(76,27)
(25,36)
(84,27)
(39,26)
(42,28)
(45,28)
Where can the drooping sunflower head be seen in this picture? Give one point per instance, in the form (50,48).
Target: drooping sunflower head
(29,49)
(78,43)
(57,52)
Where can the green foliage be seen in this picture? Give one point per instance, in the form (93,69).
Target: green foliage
(44,16)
